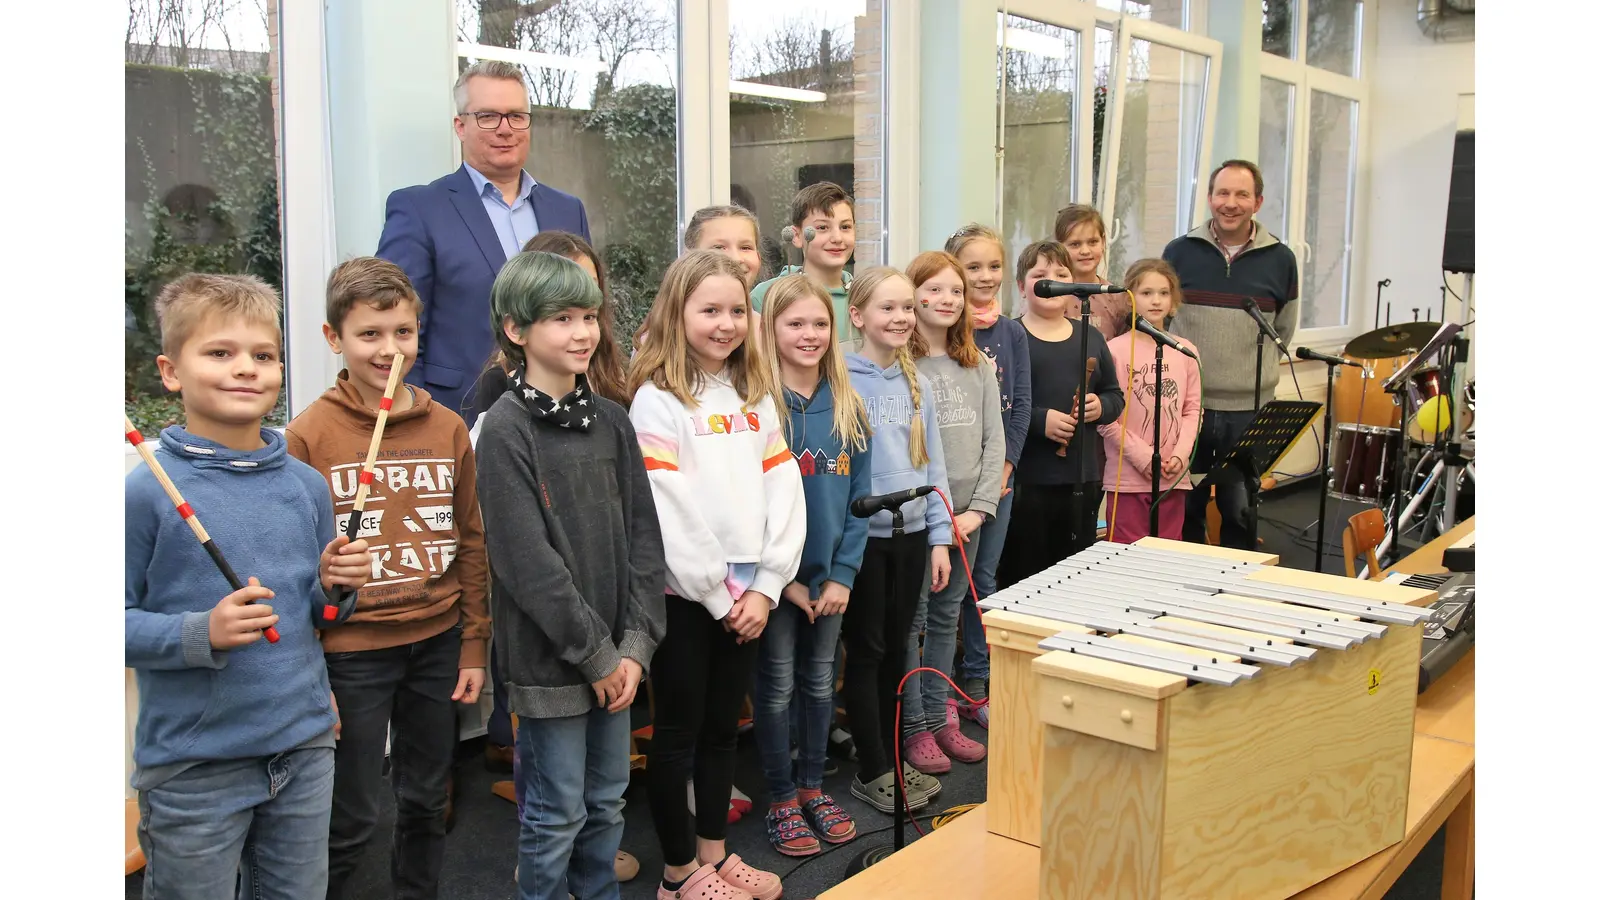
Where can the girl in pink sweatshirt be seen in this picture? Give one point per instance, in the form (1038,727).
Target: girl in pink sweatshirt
(1131,457)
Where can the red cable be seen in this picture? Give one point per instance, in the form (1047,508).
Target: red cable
(899,770)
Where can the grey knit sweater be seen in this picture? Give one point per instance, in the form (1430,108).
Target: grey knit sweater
(575,554)
(1213,318)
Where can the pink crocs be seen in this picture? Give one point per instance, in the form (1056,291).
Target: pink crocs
(923,754)
(749,880)
(953,742)
(703,885)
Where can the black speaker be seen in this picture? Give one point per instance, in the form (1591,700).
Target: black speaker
(1458,217)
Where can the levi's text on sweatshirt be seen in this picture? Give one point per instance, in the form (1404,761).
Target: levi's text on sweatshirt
(270,515)
(832,475)
(421,520)
(727,492)
(889,411)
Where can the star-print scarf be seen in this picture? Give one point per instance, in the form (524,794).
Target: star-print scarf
(575,410)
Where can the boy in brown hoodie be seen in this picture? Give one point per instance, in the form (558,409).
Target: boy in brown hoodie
(418,639)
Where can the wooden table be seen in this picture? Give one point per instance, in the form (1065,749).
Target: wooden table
(984,865)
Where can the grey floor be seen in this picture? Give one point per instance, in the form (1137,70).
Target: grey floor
(482,849)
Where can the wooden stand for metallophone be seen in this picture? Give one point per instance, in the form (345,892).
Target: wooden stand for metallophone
(1139,784)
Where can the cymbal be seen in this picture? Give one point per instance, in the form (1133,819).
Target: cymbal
(1392,340)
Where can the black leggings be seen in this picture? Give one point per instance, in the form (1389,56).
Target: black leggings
(699,676)
(1043,531)
(882,605)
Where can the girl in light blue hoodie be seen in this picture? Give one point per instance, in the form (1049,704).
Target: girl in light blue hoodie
(906,453)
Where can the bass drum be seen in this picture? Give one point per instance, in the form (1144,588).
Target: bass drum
(1375,408)
(1365,460)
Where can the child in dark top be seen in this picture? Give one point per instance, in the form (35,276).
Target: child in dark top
(1005,343)
(233,751)
(576,556)
(1058,496)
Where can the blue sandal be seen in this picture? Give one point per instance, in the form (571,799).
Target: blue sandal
(789,833)
(824,815)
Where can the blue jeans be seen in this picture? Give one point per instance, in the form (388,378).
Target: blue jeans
(1219,431)
(922,709)
(256,827)
(794,649)
(572,772)
(985,562)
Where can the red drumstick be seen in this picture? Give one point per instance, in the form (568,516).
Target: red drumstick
(187,512)
(330,613)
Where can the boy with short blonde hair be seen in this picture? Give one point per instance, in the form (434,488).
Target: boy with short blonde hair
(418,640)
(233,750)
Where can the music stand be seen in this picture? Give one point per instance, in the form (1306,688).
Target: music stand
(1264,444)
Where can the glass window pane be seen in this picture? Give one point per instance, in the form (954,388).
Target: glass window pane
(1157,166)
(1039,74)
(1330,207)
(805,106)
(1278,19)
(1105,55)
(1277,155)
(201,174)
(1333,36)
(1167,12)
(605,124)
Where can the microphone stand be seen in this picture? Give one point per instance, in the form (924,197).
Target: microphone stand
(1080,495)
(1324,469)
(1158,458)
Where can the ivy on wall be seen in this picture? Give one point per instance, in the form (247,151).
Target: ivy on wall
(640,127)
(227,223)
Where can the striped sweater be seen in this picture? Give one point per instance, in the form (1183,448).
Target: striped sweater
(1213,318)
(727,492)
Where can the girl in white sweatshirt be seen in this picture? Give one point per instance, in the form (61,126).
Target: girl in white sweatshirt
(733,522)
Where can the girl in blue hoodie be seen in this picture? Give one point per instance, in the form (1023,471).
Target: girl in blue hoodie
(825,424)
(906,454)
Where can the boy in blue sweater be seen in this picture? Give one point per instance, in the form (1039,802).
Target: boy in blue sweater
(233,751)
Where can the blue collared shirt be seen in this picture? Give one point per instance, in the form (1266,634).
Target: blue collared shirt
(515,225)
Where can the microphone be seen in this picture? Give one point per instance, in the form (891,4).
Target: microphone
(1308,353)
(1046,288)
(865,507)
(1163,338)
(1262,323)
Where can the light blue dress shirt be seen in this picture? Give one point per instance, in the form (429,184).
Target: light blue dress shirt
(515,225)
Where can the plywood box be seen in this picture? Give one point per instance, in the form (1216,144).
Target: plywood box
(1155,789)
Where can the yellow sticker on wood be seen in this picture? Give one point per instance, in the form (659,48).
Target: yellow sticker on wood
(1374,678)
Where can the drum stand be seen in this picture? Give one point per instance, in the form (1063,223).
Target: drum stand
(1425,493)
(1453,459)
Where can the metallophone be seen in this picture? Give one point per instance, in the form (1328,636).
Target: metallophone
(1173,721)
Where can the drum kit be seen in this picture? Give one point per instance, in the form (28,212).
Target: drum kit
(1395,447)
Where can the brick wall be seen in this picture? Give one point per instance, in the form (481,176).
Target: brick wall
(869,160)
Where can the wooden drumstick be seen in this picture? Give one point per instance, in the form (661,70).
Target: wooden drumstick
(186,512)
(1093,361)
(353,527)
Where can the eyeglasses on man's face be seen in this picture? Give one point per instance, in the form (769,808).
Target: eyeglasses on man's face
(489,121)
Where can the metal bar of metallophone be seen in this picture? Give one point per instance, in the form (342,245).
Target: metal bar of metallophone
(1378,611)
(1392,613)
(1133,593)
(1203,563)
(1149,628)
(1088,560)
(1225,674)
(1302,635)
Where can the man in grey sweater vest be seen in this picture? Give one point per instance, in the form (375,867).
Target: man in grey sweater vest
(1219,264)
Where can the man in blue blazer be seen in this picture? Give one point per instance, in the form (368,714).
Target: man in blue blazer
(452,236)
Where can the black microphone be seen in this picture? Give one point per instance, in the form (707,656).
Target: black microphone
(1046,288)
(1262,323)
(865,507)
(1163,338)
(1308,353)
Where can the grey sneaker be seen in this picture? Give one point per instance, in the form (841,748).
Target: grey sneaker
(879,793)
(918,783)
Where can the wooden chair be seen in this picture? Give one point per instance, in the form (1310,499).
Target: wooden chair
(1361,539)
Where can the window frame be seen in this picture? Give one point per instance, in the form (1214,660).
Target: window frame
(1305,79)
